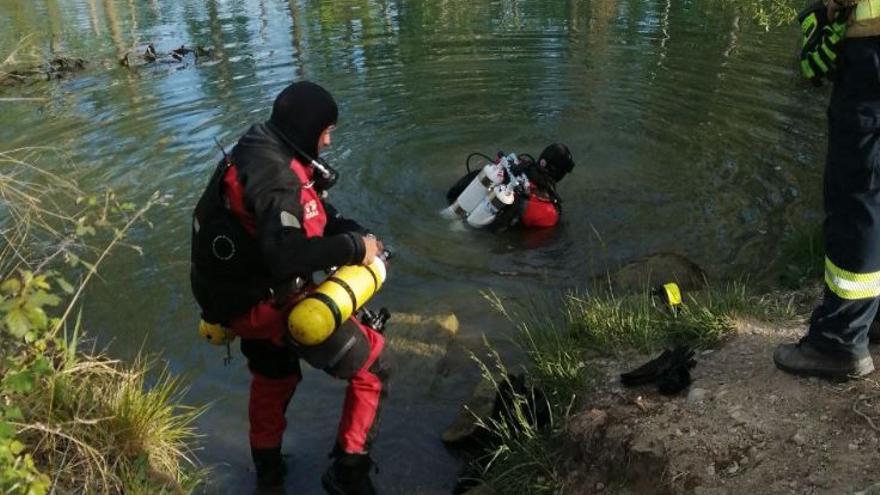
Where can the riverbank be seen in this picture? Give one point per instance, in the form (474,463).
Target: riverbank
(72,419)
(743,426)
(741,423)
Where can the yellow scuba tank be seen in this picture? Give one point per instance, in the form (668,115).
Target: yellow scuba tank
(215,333)
(321,312)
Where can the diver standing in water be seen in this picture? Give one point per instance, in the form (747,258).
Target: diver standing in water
(511,190)
(260,230)
(841,41)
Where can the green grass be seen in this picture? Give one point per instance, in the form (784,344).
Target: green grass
(555,334)
(525,458)
(610,324)
(768,14)
(803,257)
(97,425)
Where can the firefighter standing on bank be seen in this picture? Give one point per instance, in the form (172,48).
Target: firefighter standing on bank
(260,230)
(842,43)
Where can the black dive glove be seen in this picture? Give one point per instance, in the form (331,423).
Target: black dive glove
(821,37)
(670,371)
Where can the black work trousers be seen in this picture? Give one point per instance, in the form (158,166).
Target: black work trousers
(839,325)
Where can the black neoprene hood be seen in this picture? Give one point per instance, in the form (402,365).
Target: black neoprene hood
(558,159)
(301,112)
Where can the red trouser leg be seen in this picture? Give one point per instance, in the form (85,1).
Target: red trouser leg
(274,369)
(366,389)
(268,402)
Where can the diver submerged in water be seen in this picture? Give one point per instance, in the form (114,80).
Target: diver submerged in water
(511,190)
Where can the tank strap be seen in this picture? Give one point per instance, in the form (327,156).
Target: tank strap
(498,204)
(374,277)
(341,354)
(347,288)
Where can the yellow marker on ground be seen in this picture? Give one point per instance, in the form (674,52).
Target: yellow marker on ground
(673,294)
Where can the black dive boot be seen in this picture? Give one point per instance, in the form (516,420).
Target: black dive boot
(270,470)
(349,475)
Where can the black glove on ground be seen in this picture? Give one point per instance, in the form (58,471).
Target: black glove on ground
(670,371)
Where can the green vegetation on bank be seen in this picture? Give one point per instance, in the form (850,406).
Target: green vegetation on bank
(560,337)
(766,13)
(73,420)
(803,255)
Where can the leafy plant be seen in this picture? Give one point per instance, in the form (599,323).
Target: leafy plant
(73,421)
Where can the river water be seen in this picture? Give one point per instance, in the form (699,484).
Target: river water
(690,130)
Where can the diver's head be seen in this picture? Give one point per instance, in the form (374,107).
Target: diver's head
(556,161)
(305,114)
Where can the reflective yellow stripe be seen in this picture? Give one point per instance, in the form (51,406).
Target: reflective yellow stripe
(828,53)
(807,70)
(818,61)
(849,285)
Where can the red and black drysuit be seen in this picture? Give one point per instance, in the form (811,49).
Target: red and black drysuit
(263,201)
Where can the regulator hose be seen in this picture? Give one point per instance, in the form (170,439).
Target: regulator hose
(467,161)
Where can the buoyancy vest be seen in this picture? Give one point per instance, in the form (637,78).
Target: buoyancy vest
(865,20)
(227,273)
(539,212)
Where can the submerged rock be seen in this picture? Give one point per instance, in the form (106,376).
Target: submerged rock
(419,345)
(656,269)
(507,399)
(479,406)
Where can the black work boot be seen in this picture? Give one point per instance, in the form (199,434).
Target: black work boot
(874,332)
(805,360)
(270,469)
(349,475)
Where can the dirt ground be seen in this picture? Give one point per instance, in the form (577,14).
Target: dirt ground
(743,427)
